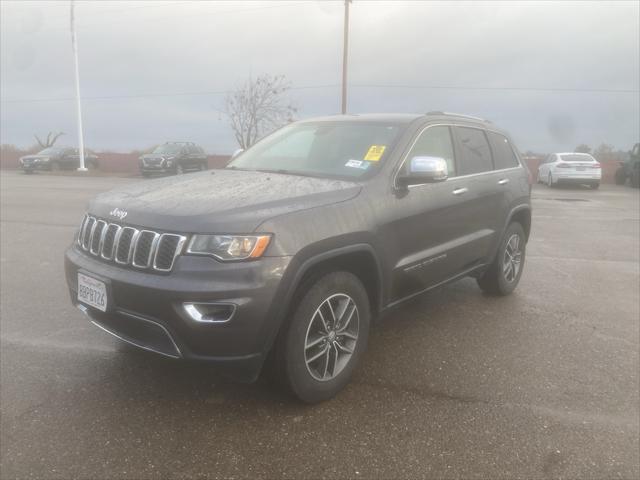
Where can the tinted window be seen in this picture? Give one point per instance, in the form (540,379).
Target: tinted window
(475,153)
(435,142)
(503,155)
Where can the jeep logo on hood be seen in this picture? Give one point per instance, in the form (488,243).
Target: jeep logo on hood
(116,212)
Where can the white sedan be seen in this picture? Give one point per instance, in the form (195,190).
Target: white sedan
(576,168)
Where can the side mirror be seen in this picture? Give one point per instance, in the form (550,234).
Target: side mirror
(424,170)
(236,153)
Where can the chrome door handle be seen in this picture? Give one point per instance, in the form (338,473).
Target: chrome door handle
(460,191)
(504,181)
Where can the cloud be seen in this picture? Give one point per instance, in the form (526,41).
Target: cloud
(134,52)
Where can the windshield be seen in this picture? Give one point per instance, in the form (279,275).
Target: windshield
(168,148)
(577,158)
(325,149)
(50,151)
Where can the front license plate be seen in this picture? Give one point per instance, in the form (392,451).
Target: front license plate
(92,292)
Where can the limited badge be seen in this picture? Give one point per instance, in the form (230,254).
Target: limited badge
(375,153)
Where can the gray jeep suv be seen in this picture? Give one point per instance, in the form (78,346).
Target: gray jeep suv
(292,250)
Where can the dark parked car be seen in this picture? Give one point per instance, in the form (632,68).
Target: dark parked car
(173,157)
(57,158)
(292,250)
(630,170)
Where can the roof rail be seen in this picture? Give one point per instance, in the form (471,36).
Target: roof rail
(461,115)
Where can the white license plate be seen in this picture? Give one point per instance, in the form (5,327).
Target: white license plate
(92,292)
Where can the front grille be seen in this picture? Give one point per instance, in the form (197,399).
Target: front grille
(143,249)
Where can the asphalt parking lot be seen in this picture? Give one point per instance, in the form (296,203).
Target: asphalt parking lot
(542,384)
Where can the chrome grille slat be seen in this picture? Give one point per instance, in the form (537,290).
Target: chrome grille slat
(110,241)
(97,237)
(128,246)
(147,240)
(165,256)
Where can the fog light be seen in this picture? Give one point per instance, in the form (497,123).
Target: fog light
(210,312)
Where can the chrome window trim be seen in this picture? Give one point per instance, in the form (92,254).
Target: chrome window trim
(134,237)
(471,175)
(101,240)
(115,239)
(152,248)
(181,241)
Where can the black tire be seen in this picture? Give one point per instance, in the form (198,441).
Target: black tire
(290,362)
(620,176)
(595,186)
(635,178)
(494,281)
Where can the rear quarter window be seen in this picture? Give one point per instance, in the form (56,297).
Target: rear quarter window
(503,154)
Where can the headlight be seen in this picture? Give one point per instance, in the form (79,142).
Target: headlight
(229,247)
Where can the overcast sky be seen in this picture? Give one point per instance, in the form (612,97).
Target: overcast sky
(554,74)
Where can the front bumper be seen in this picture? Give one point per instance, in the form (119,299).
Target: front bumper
(147,309)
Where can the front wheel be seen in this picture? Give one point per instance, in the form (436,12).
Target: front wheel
(325,338)
(503,275)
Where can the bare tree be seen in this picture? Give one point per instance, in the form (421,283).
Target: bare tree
(50,140)
(583,148)
(258,107)
(604,152)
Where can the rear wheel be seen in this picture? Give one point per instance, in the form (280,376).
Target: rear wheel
(326,337)
(503,275)
(550,181)
(595,186)
(620,176)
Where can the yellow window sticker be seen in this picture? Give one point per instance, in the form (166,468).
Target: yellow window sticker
(375,153)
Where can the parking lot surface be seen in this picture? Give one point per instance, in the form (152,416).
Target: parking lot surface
(541,384)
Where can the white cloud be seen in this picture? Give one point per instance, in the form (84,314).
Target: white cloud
(136,48)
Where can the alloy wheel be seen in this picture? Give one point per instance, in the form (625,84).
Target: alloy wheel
(512,258)
(331,337)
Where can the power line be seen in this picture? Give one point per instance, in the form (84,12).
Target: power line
(334,85)
(150,95)
(524,89)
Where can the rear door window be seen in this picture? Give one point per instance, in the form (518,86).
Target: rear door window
(474,150)
(503,154)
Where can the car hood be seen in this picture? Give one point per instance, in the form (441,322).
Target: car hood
(218,201)
(34,157)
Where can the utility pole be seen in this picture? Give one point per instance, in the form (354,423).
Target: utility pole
(345,54)
(74,46)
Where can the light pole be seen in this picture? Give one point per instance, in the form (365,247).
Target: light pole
(345,54)
(74,46)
